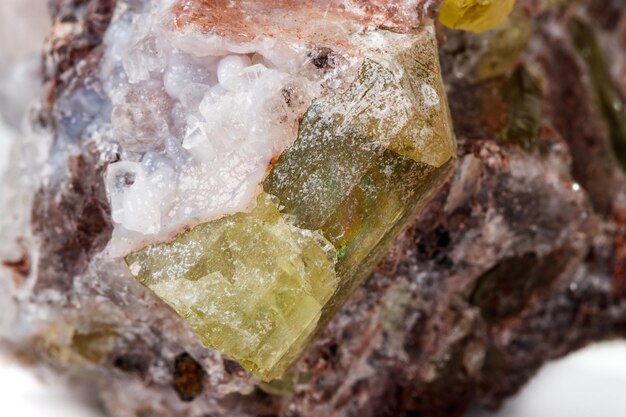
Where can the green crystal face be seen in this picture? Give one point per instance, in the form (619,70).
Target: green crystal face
(251,285)
(258,286)
(365,162)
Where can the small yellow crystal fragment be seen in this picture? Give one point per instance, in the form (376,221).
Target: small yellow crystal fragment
(475,15)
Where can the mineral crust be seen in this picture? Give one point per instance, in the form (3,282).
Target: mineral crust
(134,157)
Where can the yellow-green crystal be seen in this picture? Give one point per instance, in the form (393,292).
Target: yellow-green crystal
(475,15)
(250,285)
(366,162)
(258,286)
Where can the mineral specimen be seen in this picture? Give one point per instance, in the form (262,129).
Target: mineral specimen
(357,127)
(243,162)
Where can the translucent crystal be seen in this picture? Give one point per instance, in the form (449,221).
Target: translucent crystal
(475,15)
(364,162)
(346,141)
(251,285)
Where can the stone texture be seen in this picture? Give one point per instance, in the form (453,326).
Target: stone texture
(520,259)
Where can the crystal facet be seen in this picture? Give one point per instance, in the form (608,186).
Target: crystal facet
(250,284)
(475,15)
(367,155)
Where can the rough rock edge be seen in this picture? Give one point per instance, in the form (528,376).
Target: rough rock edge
(424,336)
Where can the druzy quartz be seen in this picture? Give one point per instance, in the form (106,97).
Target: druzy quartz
(307,146)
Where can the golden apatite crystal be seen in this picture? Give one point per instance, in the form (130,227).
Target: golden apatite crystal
(475,15)
(250,284)
(258,286)
(366,161)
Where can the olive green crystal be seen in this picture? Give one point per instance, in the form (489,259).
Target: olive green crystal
(522,95)
(259,286)
(251,285)
(366,161)
(608,99)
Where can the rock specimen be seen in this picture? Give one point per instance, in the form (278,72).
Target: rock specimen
(250,162)
(350,121)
